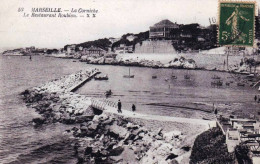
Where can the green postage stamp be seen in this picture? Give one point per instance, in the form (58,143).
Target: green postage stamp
(236,23)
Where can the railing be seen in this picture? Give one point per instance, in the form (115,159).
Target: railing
(102,104)
(78,85)
(219,125)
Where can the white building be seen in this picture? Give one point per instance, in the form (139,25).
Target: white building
(113,40)
(71,49)
(131,38)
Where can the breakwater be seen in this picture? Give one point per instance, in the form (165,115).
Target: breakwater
(103,137)
(54,101)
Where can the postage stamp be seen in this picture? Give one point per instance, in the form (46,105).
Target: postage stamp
(236,23)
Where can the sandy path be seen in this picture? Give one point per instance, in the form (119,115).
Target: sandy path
(130,114)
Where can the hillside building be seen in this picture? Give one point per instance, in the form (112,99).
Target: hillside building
(71,49)
(94,51)
(123,49)
(162,30)
(113,40)
(29,49)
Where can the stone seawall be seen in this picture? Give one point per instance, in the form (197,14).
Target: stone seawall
(160,46)
(102,137)
(55,103)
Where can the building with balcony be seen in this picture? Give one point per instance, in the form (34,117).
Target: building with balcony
(94,51)
(162,30)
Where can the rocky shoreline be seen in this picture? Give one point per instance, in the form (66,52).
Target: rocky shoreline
(102,137)
(176,63)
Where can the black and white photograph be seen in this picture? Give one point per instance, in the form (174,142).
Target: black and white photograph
(130,82)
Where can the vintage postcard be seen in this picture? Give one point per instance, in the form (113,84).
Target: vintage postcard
(130,81)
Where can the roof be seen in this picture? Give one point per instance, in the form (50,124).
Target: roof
(253,135)
(242,120)
(165,23)
(73,45)
(92,48)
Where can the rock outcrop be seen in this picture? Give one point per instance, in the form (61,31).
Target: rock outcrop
(54,101)
(176,63)
(111,136)
(182,63)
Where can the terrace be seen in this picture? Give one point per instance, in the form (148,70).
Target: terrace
(241,130)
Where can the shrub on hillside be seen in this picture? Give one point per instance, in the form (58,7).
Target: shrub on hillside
(209,147)
(242,152)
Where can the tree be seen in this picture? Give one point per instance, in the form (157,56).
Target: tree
(251,63)
(242,152)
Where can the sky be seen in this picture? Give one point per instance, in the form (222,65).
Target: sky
(114,18)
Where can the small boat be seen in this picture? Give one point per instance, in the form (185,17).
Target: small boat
(206,118)
(154,76)
(187,77)
(217,83)
(252,84)
(241,84)
(105,77)
(250,75)
(108,93)
(215,77)
(129,75)
(173,76)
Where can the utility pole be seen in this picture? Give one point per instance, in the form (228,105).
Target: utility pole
(227,56)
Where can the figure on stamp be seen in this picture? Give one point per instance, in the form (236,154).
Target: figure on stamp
(233,20)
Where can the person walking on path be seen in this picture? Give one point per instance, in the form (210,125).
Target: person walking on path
(119,106)
(215,110)
(133,108)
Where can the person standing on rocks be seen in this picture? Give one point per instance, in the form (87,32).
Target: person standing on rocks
(133,108)
(76,145)
(119,106)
